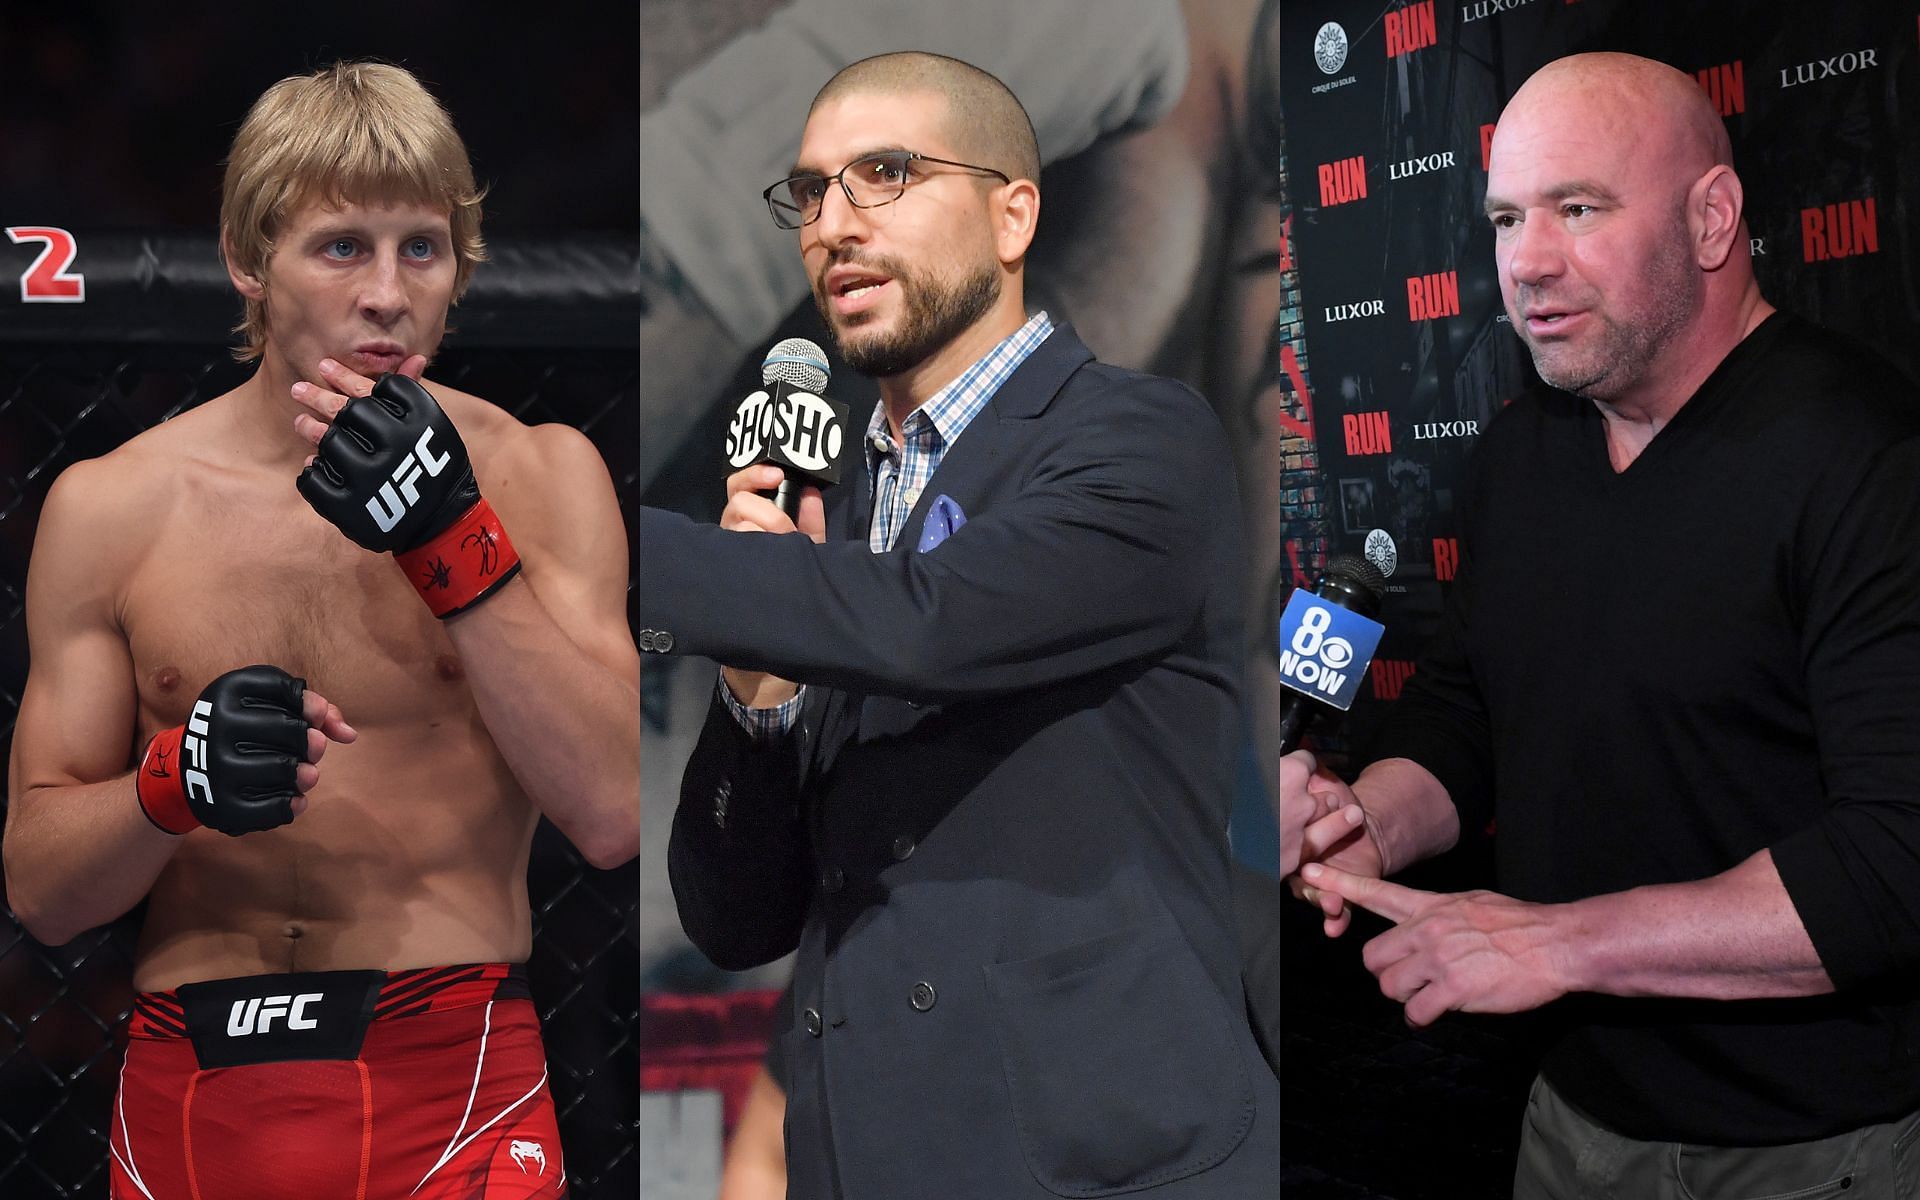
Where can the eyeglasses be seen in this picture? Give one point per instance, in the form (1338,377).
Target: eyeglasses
(868,182)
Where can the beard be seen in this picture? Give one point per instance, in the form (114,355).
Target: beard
(1626,345)
(934,314)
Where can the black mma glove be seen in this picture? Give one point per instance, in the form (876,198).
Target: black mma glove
(392,474)
(231,766)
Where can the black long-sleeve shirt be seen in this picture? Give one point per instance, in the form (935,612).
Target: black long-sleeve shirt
(1650,675)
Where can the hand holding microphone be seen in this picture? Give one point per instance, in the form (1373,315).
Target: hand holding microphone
(1327,639)
(785,438)
(750,510)
(1317,812)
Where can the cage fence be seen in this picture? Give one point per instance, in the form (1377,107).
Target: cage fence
(550,333)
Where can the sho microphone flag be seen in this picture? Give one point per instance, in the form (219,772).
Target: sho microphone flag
(789,423)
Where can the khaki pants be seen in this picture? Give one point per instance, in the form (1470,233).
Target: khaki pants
(1566,1155)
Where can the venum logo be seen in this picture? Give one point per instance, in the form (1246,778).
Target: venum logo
(1347,312)
(1840,230)
(1411,28)
(388,507)
(1408,168)
(1490,8)
(1343,181)
(523,1152)
(1432,296)
(257,1015)
(1367,433)
(1726,86)
(1446,559)
(1827,68)
(1388,676)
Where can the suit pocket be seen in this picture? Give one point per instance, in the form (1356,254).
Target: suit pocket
(1121,1063)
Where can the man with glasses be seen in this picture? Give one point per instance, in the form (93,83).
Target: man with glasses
(991,819)
(717,280)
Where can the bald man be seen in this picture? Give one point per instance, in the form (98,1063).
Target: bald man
(1681,667)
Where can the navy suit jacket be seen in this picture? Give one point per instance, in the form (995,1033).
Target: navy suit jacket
(998,838)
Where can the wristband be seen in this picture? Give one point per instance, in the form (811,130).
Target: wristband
(463,564)
(160,784)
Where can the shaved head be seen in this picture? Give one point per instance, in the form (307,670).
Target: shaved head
(1660,112)
(985,124)
(922,283)
(1619,230)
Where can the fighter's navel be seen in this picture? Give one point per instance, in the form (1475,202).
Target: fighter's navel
(294,931)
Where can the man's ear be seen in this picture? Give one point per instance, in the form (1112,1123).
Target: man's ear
(1715,205)
(1016,215)
(250,287)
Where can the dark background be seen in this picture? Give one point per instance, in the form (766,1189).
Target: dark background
(119,115)
(1371,1108)
(114,121)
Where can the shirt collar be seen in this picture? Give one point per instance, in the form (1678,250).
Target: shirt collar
(954,406)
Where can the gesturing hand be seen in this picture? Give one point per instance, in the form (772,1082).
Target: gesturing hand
(1472,951)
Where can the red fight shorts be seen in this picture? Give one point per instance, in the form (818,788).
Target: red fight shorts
(337,1085)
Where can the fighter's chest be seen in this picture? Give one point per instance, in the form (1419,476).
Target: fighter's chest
(236,585)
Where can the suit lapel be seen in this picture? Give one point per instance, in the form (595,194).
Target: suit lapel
(967,466)
(966,473)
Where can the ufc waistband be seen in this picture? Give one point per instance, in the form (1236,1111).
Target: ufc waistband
(314,1015)
(338,1085)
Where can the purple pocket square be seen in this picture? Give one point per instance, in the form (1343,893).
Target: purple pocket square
(942,519)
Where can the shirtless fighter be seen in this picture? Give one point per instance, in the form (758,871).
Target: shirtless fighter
(328,1004)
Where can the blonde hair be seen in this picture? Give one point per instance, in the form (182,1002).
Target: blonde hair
(354,132)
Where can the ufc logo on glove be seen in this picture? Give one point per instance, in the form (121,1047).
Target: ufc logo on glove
(387,507)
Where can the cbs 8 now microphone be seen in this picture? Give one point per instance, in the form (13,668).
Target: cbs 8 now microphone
(1327,638)
(790,424)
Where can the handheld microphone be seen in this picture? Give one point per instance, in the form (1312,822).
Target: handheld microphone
(1327,638)
(789,423)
